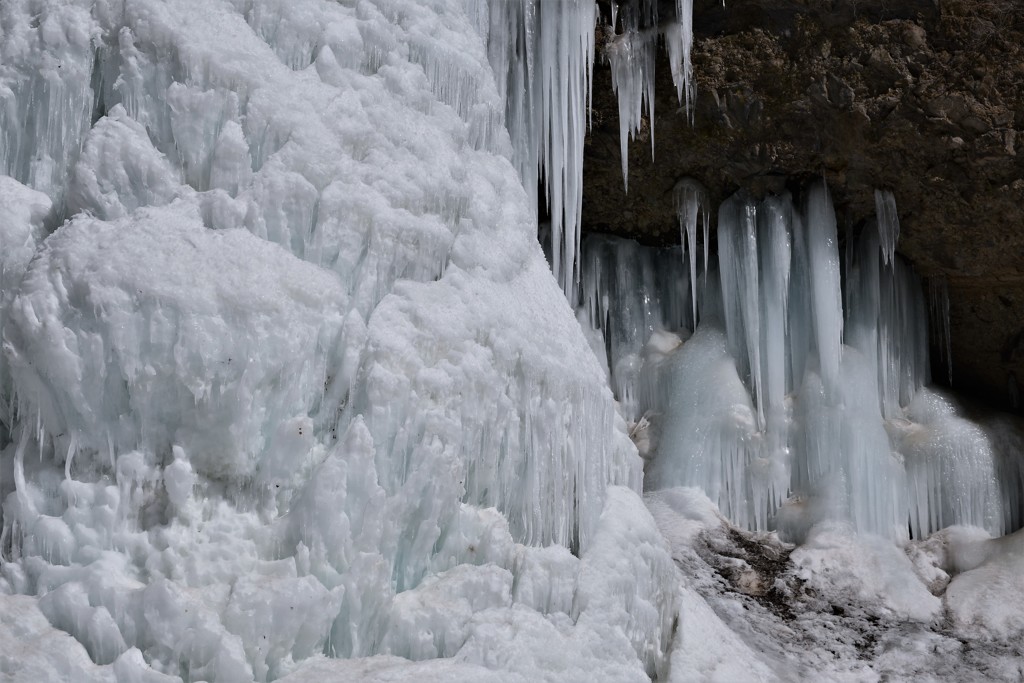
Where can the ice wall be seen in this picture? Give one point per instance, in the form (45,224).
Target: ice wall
(23,212)
(294,372)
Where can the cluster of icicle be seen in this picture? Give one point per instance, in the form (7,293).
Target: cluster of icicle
(637,28)
(542,54)
(801,391)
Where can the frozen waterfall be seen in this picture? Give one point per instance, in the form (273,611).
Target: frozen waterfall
(784,407)
(289,392)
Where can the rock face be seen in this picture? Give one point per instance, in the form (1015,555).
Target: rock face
(921,97)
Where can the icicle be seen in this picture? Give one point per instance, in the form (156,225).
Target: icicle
(823,259)
(632,56)
(679,39)
(888,223)
(691,200)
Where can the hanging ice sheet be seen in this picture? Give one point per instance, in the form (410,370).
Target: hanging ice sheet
(542,55)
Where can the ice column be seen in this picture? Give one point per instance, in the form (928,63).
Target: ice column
(886,320)
(902,337)
(708,429)
(824,277)
(888,223)
(775,244)
(738,268)
(951,468)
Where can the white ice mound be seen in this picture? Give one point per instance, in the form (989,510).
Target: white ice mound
(835,560)
(989,594)
(711,436)
(535,614)
(154,331)
(22,211)
(952,468)
(120,170)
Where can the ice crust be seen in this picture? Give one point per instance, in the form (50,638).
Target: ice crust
(294,382)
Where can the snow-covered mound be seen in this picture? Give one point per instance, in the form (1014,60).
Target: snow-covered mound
(288,377)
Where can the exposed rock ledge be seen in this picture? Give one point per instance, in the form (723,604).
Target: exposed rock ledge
(917,96)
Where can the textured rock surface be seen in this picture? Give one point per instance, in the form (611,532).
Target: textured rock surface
(920,97)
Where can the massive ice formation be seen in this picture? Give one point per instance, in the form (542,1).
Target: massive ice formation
(286,380)
(293,378)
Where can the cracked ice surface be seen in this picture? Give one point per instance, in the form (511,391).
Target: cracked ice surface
(288,378)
